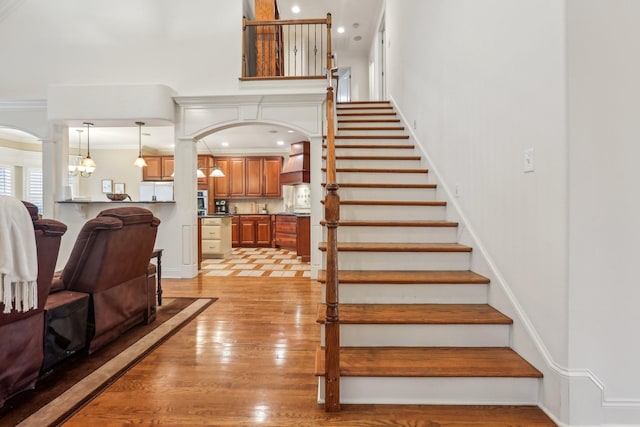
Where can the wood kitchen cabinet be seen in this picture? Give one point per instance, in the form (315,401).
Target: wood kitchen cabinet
(293,233)
(249,177)
(251,230)
(159,168)
(205,164)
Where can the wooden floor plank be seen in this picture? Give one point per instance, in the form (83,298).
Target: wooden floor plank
(483,362)
(417,314)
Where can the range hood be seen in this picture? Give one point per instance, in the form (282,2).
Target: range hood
(296,171)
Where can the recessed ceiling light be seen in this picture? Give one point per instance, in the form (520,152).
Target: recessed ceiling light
(225,144)
(172,145)
(356,25)
(273,131)
(290,131)
(280,142)
(295,9)
(357,38)
(340,30)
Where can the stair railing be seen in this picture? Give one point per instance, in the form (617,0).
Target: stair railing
(293,48)
(332,217)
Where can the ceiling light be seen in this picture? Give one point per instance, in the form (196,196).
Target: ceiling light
(356,25)
(280,142)
(295,9)
(88,163)
(340,30)
(140,160)
(290,131)
(200,174)
(357,38)
(77,168)
(225,144)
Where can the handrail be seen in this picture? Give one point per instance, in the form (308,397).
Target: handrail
(332,217)
(291,48)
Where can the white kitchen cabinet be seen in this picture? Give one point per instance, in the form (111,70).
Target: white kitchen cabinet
(216,237)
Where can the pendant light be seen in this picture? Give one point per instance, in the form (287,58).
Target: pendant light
(140,162)
(216,172)
(88,163)
(77,168)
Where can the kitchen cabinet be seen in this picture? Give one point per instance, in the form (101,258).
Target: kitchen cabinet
(293,233)
(248,177)
(159,168)
(235,231)
(216,237)
(252,231)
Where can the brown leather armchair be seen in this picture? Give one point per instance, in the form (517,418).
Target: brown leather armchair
(109,261)
(21,333)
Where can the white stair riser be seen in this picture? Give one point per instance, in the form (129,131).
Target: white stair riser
(411,294)
(388,178)
(403,260)
(371,132)
(378,163)
(372,212)
(372,141)
(343,122)
(374,152)
(372,110)
(398,234)
(387,194)
(422,335)
(434,391)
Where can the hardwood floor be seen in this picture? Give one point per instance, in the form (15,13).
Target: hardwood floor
(249,360)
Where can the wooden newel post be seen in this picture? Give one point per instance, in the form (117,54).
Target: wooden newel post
(332,322)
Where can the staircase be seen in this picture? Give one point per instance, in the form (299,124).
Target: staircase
(415,325)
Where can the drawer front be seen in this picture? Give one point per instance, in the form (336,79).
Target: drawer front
(211,246)
(286,227)
(211,221)
(286,241)
(211,231)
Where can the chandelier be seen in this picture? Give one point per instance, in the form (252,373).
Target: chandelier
(78,168)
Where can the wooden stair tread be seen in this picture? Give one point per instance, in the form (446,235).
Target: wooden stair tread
(394,223)
(416,314)
(391,113)
(362,102)
(372,136)
(469,362)
(373,146)
(449,277)
(397,247)
(392,203)
(379,170)
(378,185)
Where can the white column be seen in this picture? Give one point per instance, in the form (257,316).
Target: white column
(55,159)
(186,220)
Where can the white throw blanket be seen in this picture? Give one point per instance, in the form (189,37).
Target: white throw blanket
(18,256)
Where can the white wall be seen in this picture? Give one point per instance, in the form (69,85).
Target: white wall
(116,165)
(485,80)
(192,46)
(604,135)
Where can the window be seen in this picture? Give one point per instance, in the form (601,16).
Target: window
(6,181)
(34,187)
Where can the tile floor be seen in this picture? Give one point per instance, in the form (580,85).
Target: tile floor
(253,262)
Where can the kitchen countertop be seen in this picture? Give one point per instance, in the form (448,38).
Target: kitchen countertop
(254,214)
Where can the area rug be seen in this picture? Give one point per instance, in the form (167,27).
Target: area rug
(73,383)
(257,262)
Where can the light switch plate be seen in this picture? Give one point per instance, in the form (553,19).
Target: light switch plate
(529,160)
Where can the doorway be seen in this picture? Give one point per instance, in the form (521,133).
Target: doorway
(344,84)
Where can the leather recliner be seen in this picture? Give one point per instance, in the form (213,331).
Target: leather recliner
(109,261)
(21,333)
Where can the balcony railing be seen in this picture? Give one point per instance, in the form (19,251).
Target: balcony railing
(286,48)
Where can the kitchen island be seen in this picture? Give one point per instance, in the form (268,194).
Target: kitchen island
(215,236)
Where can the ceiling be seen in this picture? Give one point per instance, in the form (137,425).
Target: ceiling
(357,17)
